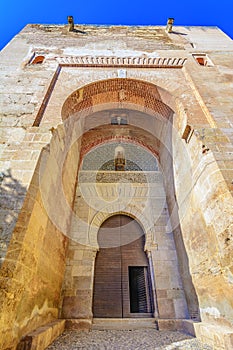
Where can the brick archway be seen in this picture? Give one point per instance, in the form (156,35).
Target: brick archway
(147,99)
(103,134)
(119,93)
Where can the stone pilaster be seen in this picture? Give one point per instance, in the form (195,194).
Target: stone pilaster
(78,284)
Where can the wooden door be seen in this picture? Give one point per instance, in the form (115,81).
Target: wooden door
(121,283)
(107,297)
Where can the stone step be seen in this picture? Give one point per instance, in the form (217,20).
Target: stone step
(123,323)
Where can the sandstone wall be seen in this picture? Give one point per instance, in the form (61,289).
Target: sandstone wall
(32,272)
(31,105)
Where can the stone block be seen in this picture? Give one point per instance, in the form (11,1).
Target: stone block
(162,282)
(165,255)
(166,308)
(169,324)
(188,327)
(180,305)
(82,282)
(79,306)
(218,336)
(82,270)
(78,254)
(42,337)
(161,293)
(79,324)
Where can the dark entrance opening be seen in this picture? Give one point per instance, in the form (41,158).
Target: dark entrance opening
(122,286)
(137,288)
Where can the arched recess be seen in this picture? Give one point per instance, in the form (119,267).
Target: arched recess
(119,93)
(122,282)
(156,107)
(103,134)
(112,210)
(86,110)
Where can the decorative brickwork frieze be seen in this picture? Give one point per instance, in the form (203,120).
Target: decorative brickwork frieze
(112,61)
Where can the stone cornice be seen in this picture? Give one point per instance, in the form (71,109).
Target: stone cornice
(126,62)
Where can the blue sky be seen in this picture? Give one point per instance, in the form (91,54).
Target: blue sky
(15,14)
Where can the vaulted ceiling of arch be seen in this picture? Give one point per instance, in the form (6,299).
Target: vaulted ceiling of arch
(121,91)
(121,133)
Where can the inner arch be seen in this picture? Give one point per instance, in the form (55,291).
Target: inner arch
(102,158)
(122,284)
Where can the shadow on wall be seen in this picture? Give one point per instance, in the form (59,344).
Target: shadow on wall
(12,195)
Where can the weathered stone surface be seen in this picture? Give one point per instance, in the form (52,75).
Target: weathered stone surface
(50,217)
(42,337)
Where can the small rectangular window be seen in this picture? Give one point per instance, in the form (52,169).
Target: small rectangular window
(203,60)
(36,59)
(187,133)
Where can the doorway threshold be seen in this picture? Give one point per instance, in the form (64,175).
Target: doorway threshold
(123,323)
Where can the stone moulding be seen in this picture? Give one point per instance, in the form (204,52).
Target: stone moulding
(106,62)
(94,177)
(113,61)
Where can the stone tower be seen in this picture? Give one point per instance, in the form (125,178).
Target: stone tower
(116,180)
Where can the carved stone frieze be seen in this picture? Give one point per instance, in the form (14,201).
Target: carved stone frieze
(113,61)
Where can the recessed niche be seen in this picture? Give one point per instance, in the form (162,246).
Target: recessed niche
(38,59)
(203,60)
(187,134)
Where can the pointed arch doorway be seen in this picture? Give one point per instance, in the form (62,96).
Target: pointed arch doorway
(122,284)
